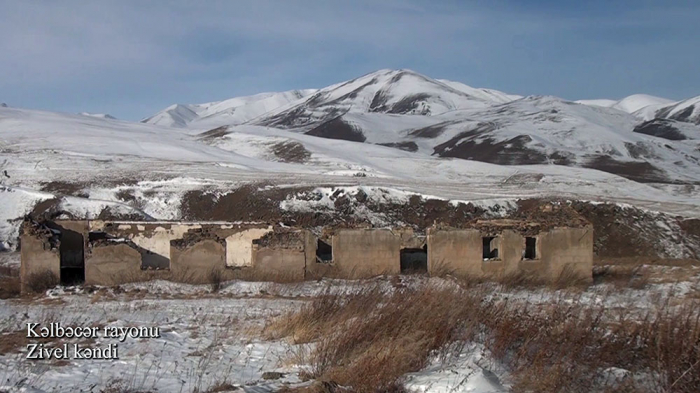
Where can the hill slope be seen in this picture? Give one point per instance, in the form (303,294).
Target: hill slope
(686,111)
(232,111)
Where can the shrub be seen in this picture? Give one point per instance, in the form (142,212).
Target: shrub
(40,282)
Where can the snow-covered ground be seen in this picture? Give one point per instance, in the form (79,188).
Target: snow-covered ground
(214,339)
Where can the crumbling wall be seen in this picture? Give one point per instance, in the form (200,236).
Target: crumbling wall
(73,231)
(202,252)
(239,246)
(74,237)
(112,263)
(201,262)
(408,238)
(39,255)
(281,255)
(154,238)
(359,253)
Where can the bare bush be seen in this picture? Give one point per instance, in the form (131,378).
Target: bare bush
(40,282)
(9,287)
(216,278)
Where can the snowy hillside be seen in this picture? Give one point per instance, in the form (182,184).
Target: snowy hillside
(642,106)
(636,102)
(686,111)
(548,130)
(232,111)
(412,112)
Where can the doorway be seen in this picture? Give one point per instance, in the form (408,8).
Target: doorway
(72,250)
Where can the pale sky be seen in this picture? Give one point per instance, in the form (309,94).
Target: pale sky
(133,58)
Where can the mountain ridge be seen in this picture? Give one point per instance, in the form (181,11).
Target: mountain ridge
(407,111)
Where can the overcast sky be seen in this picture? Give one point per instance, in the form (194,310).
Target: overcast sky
(133,58)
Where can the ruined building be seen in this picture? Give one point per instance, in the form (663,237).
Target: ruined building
(546,246)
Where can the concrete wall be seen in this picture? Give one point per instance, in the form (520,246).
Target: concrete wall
(455,251)
(361,253)
(559,251)
(239,246)
(280,264)
(197,263)
(357,253)
(568,251)
(37,258)
(112,264)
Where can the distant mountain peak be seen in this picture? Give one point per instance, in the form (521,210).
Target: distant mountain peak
(386,91)
(631,104)
(687,111)
(237,110)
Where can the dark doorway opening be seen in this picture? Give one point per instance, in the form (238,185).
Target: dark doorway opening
(530,248)
(324,252)
(414,260)
(490,249)
(72,250)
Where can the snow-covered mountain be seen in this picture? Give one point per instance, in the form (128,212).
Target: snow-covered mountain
(412,112)
(686,111)
(643,106)
(641,137)
(390,92)
(647,108)
(228,112)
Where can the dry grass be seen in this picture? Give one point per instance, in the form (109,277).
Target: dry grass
(622,276)
(9,271)
(216,279)
(40,282)
(9,287)
(369,339)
